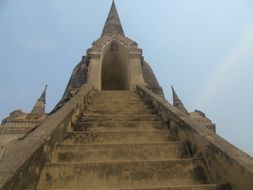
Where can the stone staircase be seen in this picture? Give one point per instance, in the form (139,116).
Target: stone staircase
(119,143)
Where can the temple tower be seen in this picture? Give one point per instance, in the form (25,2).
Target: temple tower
(38,110)
(115,60)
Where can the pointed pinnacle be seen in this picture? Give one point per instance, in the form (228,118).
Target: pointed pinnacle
(177,102)
(175,96)
(113,24)
(43,95)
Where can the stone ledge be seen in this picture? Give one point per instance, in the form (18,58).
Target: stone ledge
(224,161)
(22,162)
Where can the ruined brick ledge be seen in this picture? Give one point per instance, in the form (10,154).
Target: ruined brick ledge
(225,162)
(21,164)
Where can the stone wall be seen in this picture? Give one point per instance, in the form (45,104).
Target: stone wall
(223,161)
(21,164)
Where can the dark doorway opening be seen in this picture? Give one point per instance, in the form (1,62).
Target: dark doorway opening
(115,72)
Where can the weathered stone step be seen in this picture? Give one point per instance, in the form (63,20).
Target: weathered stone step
(118,152)
(185,187)
(118,174)
(118,104)
(117,98)
(118,126)
(99,118)
(106,106)
(118,107)
(122,111)
(120,99)
(117,137)
(115,93)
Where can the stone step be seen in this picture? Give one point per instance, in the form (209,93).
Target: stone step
(118,152)
(125,107)
(185,187)
(119,98)
(118,104)
(119,174)
(115,93)
(118,126)
(106,106)
(123,111)
(121,118)
(116,99)
(117,137)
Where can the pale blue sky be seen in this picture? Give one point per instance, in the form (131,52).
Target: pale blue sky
(203,48)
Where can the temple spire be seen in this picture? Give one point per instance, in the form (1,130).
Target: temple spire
(177,102)
(113,24)
(43,95)
(39,107)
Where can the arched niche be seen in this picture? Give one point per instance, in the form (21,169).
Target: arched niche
(115,67)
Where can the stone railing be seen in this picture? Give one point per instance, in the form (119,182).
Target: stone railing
(224,162)
(21,164)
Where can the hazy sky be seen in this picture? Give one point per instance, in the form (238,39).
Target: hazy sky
(204,48)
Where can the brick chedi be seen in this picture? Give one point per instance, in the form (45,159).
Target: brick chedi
(114,129)
(19,123)
(197,115)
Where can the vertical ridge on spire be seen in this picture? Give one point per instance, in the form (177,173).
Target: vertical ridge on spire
(113,24)
(177,102)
